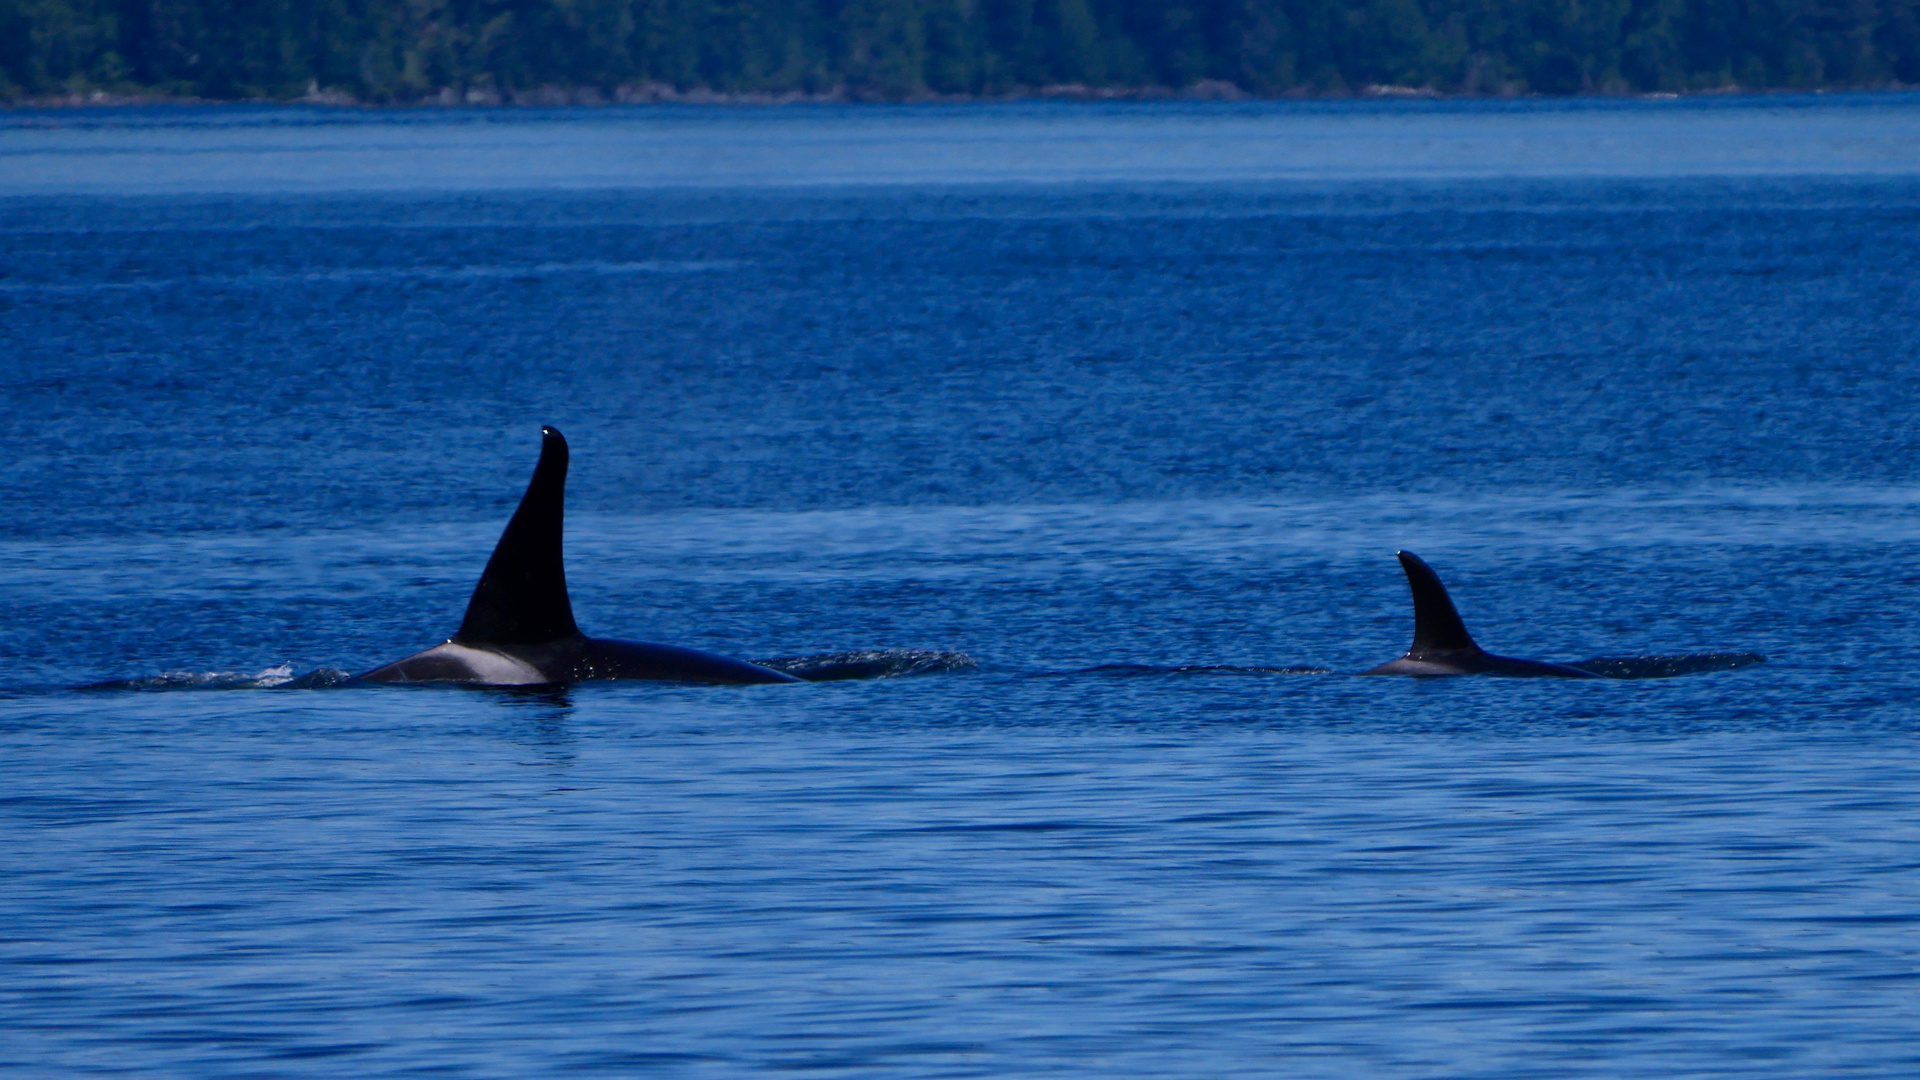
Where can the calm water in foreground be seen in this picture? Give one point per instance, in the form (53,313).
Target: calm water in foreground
(1094,396)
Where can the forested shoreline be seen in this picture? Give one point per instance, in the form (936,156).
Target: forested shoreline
(554,51)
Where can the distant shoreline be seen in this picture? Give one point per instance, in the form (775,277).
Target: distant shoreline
(553,96)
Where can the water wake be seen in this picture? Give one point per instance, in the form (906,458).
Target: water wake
(278,677)
(1667,667)
(1202,669)
(870,664)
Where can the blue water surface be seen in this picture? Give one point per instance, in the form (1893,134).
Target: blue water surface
(1129,405)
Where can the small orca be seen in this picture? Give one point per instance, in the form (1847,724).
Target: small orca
(1441,644)
(519,628)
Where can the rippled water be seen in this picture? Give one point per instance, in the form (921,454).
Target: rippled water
(1142,451)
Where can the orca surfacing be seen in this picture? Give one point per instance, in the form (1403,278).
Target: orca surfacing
(1441,644)
(519,628)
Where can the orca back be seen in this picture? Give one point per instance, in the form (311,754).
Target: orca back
(519,628)
(1441,644)
(522,595)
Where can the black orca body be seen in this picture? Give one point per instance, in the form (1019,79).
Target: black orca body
(519,628)
(1441,644)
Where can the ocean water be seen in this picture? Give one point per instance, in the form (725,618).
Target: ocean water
(1128,406)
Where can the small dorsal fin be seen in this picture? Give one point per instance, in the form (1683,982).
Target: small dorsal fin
(1436,625)
(522,595)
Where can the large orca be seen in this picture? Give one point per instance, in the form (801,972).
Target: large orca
(1441,644)
(519,628)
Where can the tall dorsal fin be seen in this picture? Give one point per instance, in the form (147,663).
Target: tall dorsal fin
(1436,625)
(522,595)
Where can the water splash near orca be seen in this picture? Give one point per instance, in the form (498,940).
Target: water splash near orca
(278,677)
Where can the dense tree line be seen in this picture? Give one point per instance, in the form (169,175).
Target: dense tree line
(483,50)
